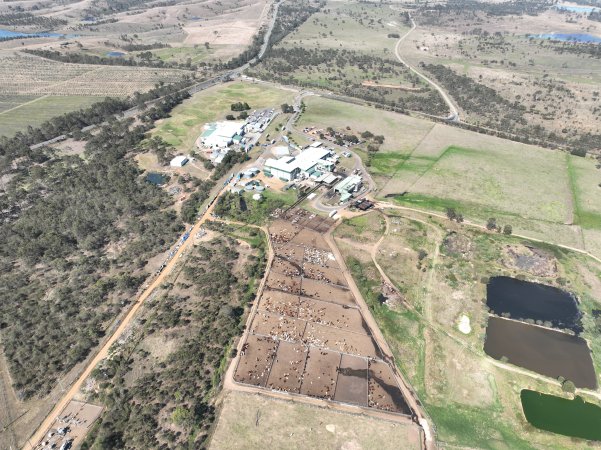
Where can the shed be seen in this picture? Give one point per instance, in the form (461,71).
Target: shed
(179,161)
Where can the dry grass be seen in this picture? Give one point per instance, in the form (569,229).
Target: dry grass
(472,402)
(252,421)
(29,75)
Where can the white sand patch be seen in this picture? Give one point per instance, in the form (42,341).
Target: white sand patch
(464,324)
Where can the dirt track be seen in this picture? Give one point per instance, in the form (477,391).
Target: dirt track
(230,384)
(453,111)
(104,350)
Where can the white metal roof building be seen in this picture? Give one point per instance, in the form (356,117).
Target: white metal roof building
(308,161)
(179,161)
(221,134)
(349,185)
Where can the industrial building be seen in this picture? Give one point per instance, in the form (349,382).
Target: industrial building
(221,134)
(179,161)
(347,187)
(310,162)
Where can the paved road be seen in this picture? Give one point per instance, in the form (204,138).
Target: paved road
(103,352)
(454,112)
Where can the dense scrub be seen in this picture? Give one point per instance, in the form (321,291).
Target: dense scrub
(169,402)
(76,234)
(491,113)
(441,14)
(28,19)
(344,71)
(144,59)
(291,15)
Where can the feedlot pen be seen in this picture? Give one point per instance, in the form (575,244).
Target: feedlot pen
(308,335)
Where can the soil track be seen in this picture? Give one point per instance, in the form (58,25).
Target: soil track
(378,389)
(453,111)
(103,352)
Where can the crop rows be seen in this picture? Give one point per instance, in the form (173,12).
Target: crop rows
(21,75)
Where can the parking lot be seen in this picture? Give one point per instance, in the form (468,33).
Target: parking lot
(70,427)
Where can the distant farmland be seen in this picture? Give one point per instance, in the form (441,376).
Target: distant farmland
(33,89)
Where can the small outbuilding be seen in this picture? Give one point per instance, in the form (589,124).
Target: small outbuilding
(179,161)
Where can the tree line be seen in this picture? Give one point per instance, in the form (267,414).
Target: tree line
(171,403)
(145,59)
(77,233)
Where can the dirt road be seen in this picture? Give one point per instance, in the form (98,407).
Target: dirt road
(230,384)
(104,350)
(408,393)
(453,110)
(386,205)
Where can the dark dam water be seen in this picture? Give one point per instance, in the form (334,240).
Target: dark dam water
(575,418)
(157,179)
(524,300)
(582,38)
(547,352)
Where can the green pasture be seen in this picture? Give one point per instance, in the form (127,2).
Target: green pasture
(185,124)
(14,118)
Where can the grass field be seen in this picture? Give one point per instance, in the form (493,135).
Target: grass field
(185,124)
(252,421)
(35,112)
(472,402)
(352,26)
(196,54)
(402,133)
(542,193)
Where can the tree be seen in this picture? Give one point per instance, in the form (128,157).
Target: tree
(287,109)
(491,224)
(451,213)
(507,229)
(568,387)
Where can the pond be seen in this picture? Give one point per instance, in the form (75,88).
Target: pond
(547,352)
(524,300)
(569,37)
(158,179)
(115,54)
(575,418)
(7,34)
(576,8)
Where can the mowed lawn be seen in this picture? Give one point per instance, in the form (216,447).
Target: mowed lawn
(186,122)
(34,112)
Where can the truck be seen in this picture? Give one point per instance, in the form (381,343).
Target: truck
(333,213)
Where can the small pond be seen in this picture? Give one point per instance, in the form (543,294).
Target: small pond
(576,8)
(547,352)
(582,38)
(7,34)
(158,179)
(575,418)
(115,54)
(523,300)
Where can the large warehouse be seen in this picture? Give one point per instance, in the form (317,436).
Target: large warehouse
(221,134)
(309,162)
